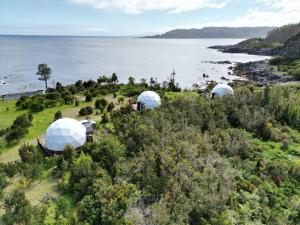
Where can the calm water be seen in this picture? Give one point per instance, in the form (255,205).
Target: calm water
(74,58)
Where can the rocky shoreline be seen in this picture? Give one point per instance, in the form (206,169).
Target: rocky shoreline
(242,49)
(259,72)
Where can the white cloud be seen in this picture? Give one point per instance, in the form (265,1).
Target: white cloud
(278,12)
(139,6)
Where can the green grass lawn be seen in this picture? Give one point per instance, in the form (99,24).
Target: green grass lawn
(8,113)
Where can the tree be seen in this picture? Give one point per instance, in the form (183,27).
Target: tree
(114,78)
(69,154)
(30,154)
(45,73)
(131,81)
(109,205)
(18,209)
(108,153)
(89,97)
(101,103)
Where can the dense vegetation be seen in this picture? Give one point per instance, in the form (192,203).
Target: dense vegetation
(284,33)
(289,66)
(194,161)
(260,43)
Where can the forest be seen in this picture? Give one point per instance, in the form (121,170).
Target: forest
(195,160)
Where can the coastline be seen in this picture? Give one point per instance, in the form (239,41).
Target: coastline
(261,73)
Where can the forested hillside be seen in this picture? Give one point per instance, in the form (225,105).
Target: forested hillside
(231,160)
(284,33)
(217,32)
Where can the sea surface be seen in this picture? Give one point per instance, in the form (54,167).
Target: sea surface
(83,58)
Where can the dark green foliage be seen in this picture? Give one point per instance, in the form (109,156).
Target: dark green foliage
(108,204)
(30,154)
(44,73)
(10,169)
(69,99)
(89,97)
(53,96)
(101,103)
(105,118)
(88,110)
(19,127)
(110,107)
(57,115)
(77,102)
(108,152)
(18,209)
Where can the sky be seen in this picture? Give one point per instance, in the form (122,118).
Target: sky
(138,17)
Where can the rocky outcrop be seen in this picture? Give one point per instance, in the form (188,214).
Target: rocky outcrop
(242,49)
(260,72)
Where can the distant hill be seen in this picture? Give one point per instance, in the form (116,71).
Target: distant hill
(217,32)
(284,33)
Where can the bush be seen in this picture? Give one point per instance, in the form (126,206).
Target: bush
(110,107)
(50,103)
(105,118)
(295,73)
(15,134)
(57,115)
(101,103)
(53,96)
(69,99)
(277,60)
(89,97)
(77,102)
(37,106)
(86,111)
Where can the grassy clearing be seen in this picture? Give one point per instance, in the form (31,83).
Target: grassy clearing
(8,113)
(40,189)
(40,123)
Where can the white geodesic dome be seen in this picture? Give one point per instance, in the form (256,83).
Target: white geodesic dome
(149,100)
(222,89)
(65,132)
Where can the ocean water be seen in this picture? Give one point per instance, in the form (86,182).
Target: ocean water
(75,58)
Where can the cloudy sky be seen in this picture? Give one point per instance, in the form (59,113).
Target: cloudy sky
(139,17)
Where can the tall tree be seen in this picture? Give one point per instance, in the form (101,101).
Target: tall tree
(114,78)
(131,81)
(45,73)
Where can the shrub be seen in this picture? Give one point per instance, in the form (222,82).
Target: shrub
(77,102)
(101,103)
(50,103)
(277,60)
(15,134)
(57,115)
(69,99)
(89,97)
(105,118)
(37,106)
(110,107)
(86,111)
(121,99)
(53,95)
